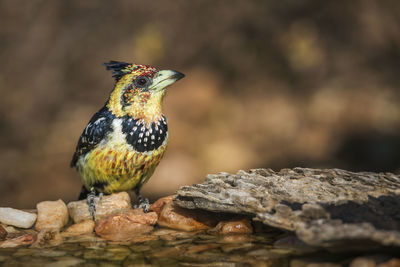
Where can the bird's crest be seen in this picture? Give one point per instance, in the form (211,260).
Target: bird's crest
(119,69)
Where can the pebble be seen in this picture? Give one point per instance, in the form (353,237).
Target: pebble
(125,226)
(84,227)
(240,226)
(160,203)
(118,202)
(18,218)
(51,215)
(48,237)
(18,241)
(179,218)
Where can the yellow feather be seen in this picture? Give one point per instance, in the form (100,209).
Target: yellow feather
(119,167)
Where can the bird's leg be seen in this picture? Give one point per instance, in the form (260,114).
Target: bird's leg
(92,201)
(143,203)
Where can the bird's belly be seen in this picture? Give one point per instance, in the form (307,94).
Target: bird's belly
(113,168)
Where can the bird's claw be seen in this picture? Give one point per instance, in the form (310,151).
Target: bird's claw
(143,204)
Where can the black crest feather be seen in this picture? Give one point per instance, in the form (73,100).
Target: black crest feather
(117,68)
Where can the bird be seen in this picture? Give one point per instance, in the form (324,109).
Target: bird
(124,141)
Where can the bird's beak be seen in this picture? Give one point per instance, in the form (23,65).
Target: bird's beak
(165,78)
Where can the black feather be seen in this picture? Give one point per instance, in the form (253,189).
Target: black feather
(96,130)
(117,68)
(144,138)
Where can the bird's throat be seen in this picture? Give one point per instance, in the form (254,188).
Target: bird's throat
(145,106)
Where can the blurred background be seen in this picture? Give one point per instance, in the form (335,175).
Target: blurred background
(273,84)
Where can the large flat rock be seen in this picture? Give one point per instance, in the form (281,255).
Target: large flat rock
(324,207)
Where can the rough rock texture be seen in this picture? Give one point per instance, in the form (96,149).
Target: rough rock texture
(118,202)
(160,203)
(324,207)
(51,215)
(17,218)
(20,240)
(84,227)
(127,225)
(175,217)
(48,237)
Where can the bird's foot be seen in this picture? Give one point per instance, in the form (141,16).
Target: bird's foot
(144,203)
(92,201)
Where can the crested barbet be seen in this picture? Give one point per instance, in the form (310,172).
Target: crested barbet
(125,140)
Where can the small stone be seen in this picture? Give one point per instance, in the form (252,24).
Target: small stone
(176,217)
(242,226)
(52,215)
(18,241)
(3,233)
(84,227)
(48,237)
(18,218)
(160,203)
(125,226)
(118,202)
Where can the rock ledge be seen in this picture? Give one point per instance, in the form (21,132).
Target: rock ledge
(324,207)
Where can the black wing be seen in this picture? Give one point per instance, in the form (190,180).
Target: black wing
(96,130)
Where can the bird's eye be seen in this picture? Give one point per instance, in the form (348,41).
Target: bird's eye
(142,81)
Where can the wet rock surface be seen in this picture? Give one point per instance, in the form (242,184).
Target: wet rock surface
(323,207)
(168,247)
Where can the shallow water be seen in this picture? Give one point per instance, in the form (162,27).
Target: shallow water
(165,247)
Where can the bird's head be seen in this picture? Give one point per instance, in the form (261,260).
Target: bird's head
(139,90)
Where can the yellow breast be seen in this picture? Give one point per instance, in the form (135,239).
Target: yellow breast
(115,166)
